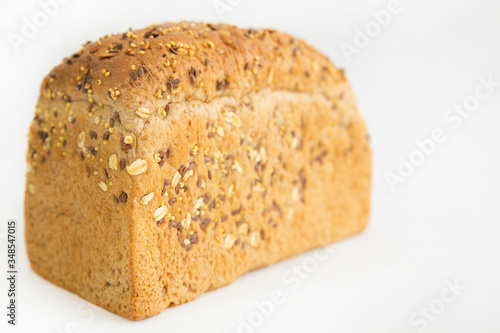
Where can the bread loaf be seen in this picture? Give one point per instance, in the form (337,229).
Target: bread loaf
(165,162)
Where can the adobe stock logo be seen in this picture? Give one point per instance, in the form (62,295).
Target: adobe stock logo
(223,6)
(292,278)
(426,315)
(31,26)
(454,118)
(363,37)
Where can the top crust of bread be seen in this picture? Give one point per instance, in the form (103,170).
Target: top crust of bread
(199,62)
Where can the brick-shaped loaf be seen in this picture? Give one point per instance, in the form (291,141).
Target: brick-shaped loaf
(165,162)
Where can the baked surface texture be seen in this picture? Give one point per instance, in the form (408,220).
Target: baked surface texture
(165,162)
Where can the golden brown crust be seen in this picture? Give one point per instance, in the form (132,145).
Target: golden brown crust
(166,162)
(209,60)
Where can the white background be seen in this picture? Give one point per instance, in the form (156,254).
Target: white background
(442,225)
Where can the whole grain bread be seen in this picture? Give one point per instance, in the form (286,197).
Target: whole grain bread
(165,162)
